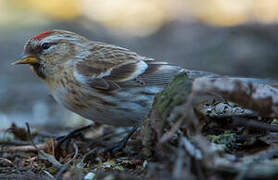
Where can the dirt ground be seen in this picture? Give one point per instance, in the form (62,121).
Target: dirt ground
(183,137)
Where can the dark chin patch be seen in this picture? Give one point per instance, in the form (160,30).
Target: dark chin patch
(38,69)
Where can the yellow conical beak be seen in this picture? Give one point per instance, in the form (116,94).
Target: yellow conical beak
(26,59)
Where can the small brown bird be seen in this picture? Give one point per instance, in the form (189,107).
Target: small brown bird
(101,82)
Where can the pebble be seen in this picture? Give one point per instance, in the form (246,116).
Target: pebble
(89,176)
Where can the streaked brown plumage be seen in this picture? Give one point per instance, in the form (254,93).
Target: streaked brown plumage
(101,82)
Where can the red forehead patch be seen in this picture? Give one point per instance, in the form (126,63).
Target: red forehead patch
(42,35)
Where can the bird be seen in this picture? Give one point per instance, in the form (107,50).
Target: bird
(101,82)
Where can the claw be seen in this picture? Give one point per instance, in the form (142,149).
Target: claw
(62,139)
(121,144)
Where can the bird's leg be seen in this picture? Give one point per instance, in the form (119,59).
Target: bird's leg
(73,134)
(121,144)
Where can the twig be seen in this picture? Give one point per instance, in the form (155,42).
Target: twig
(179,163)
(249,123)
(191,149)
(48,174)
(80,164)
(27,148)
(243,115)
(75,153)
(60,173)
(171,132)
(188,116)
(41,153)
(196,156)
(11,163)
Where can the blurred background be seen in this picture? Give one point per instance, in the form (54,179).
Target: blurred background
(237,37)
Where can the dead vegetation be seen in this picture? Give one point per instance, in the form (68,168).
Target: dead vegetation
(210,128)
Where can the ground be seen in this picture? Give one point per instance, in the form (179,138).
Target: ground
(187,134)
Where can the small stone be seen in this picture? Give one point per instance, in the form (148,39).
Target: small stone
(238,110)
(89,176)
(219,108)
(145,163)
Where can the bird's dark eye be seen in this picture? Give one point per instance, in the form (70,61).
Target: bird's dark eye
(45,45)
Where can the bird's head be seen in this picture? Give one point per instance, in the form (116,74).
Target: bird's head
(48,51)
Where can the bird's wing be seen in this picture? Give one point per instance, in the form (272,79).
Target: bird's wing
(111,67)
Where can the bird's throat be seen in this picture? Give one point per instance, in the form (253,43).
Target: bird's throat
(38,69)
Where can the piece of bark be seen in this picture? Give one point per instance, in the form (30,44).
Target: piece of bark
(261,98)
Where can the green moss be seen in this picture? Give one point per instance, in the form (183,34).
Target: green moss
(52,170)
(225,138)
(173,95)
(275,121)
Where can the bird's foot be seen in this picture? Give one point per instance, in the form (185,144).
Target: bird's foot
(114,148)
(66,139)
(118,146)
